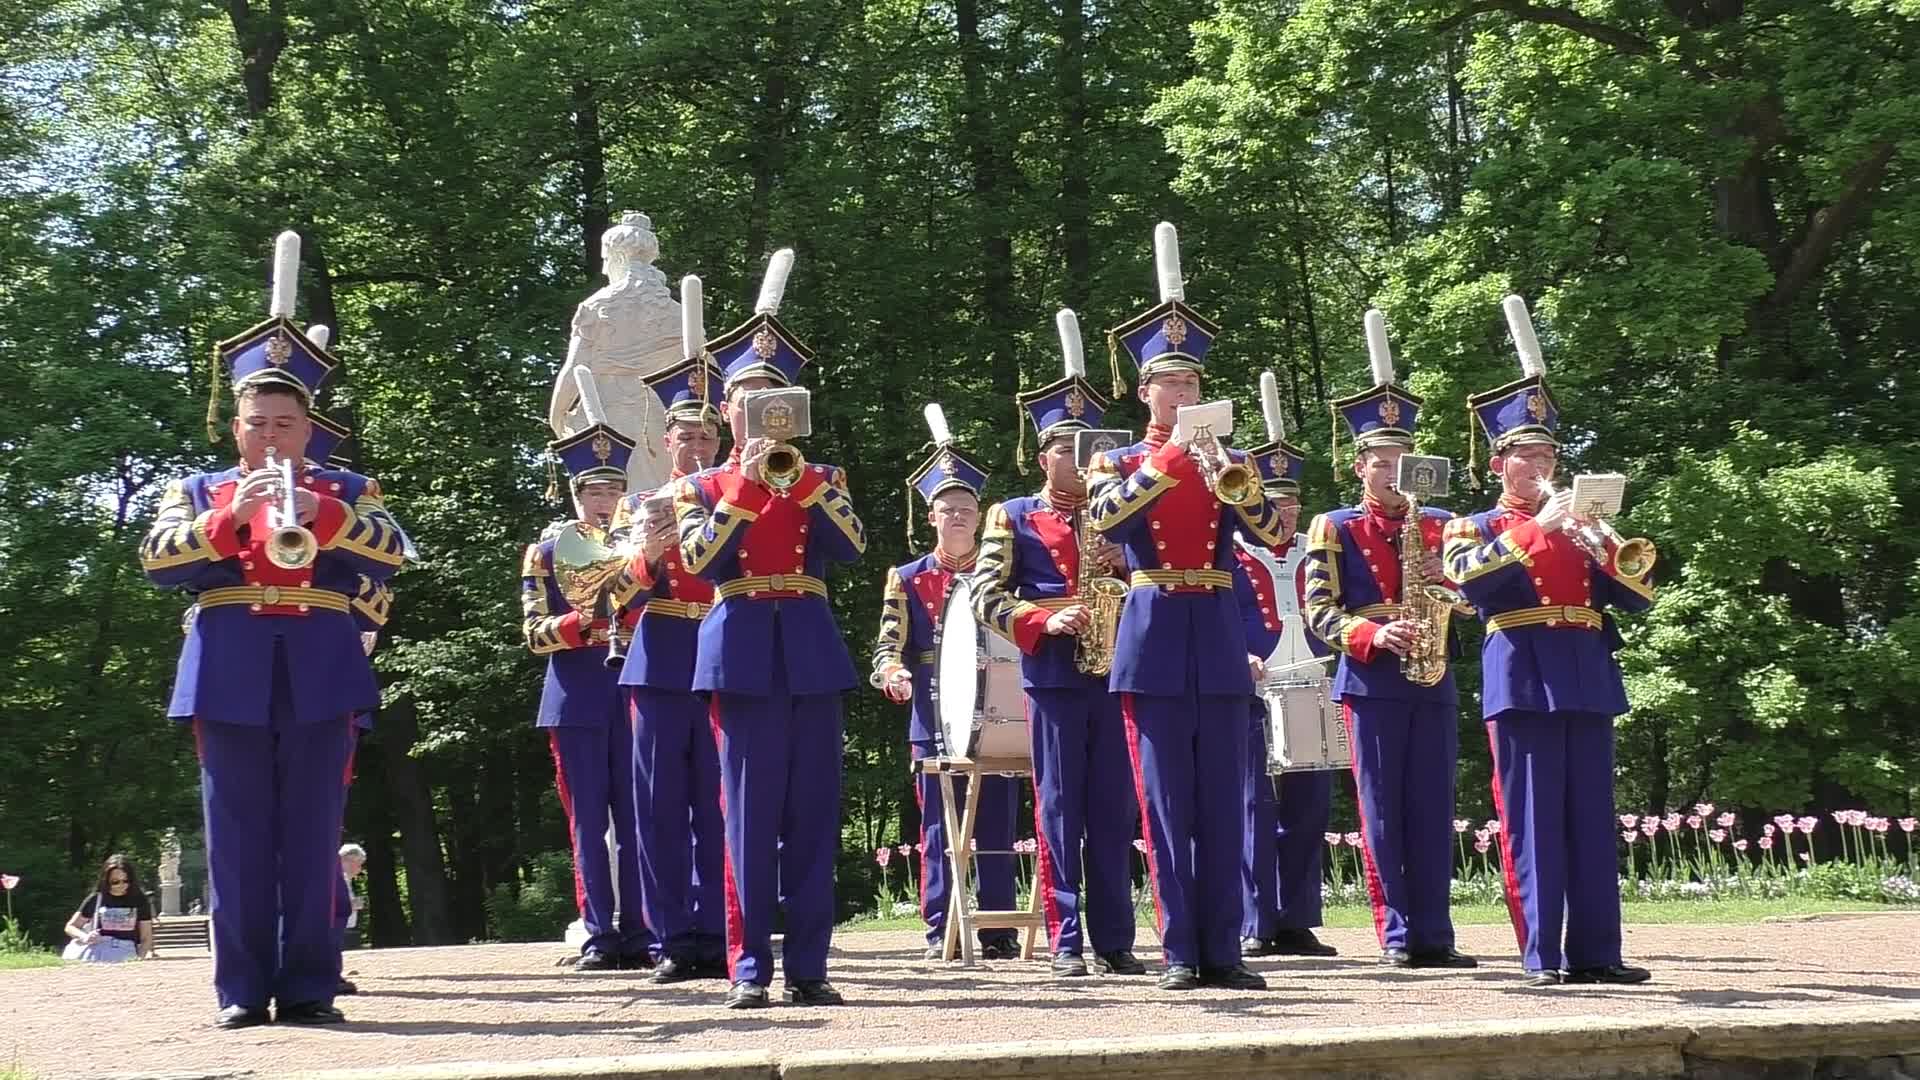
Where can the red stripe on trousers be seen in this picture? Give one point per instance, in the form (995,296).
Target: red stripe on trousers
(566,804)
(920,800)
(736,920)
(1375,892)
(1516,911)
(1146,817)
(1042,861)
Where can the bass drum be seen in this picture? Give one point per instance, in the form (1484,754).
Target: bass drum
(977,693)
(1304,728)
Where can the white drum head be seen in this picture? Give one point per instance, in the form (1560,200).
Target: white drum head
(957,670)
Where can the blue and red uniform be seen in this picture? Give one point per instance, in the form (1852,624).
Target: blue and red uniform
(913,604)
(676,771)
(585,719)
(1180,670)
(1083,812)
(1550,690)
(271,676)
(772,662)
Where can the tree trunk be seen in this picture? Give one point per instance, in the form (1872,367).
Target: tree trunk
(386,921)
(590,154)
(991,175)
(1076,185)
(412,805)
(766,150)
(260,39)
(1302,268)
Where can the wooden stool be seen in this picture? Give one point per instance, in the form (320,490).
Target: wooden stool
(963,921)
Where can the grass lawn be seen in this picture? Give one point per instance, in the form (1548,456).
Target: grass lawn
(16,961)
(1722,912)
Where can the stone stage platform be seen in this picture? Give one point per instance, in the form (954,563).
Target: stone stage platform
(1835,997)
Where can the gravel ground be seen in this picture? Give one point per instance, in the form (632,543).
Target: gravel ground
(510,1002)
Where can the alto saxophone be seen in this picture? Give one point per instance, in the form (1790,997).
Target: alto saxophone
(1429,606)
(1103,594)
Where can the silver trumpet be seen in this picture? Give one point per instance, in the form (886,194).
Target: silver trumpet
(290,545)
(1633,558)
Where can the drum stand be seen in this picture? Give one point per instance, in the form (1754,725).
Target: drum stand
(963,921)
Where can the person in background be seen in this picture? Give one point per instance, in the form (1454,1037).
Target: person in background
(116,922)
(347,905)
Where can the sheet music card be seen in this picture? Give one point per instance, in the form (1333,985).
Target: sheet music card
(1598,494)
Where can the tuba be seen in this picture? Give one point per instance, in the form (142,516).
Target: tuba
(1429,605)
(585,562)
(290,545)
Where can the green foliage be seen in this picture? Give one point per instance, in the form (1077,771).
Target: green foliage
(539,907)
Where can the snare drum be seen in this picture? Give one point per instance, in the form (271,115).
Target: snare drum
(977,693)
(1304,727)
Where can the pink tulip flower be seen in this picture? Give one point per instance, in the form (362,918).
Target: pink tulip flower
(1785,821)
(9,881)
(1629,835)
(1740,845)
(1481,846)
(1718,836)
(1672,821)
(1140,845)
(906,849)
(1907,825)
(1482,835)
(1353,839)
(1726,820)
(1694,821)
(1493,826)
(1649,826)
(882,855)
(1804,857)
(1704,809)
(1769,829)
(1333,839)
(1461,824)
(1807,823)
(1766,843)
(1628,821)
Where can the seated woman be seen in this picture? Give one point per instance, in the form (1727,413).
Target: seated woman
(116,922)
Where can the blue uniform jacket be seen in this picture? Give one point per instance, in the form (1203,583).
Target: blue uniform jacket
(1181,622)
(1353,586)
(1028,567)
(244,605)
(912,606)
(580,690)
(1550,641)
(767,555)
(664,605)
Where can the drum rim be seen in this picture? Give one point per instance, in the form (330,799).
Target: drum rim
(959,604)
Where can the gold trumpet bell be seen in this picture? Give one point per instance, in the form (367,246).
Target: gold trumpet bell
(1236,485)
(1635,558)
(783,466)
(292,547)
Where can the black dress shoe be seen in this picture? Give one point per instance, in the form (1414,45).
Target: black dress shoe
(1396,958)
(595,960)
(1069,966)
(240,1016)
(673,969)
(345,987)
(813,992)
(1118,962)
(747,995)
(1537,980)
(1179,977)
(1253,946)
(310,1012)
(1442,958)
(1237,977)
(1295,944)
(1001,949)
(635,961)
(1615,974)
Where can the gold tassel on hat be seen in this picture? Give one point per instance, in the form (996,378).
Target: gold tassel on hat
(1113,362)
(213,400)
(553,480)
(1020,446)
(909,517)
(1334,442)
(1473,451)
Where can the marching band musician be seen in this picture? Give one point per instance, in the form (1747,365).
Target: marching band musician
(774,664)
(1284,847)
(1404,735)
(1551,685)
(1180,658)
(676,773)
(913,604)
(568,618)
(272,672)
(1027,579)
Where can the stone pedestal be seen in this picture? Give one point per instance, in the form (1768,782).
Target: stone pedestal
(170,874)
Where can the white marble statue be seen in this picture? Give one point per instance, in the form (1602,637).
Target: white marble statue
(624,332)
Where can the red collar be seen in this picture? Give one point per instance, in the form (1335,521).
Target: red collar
(1514,504)
(1157,436)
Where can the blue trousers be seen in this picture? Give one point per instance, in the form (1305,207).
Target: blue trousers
(1553,790)
(1189,766)
(273,802)
(780,765)
(1083,809)
(1404,755)
(593,768)
(1285,845)
(992,832)
(676,789)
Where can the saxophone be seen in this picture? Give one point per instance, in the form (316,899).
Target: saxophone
(1429,606)
(1103,594)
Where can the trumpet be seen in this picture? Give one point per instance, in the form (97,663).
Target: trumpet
(1231,482)
(783,466)
(1633,558)
(290,545)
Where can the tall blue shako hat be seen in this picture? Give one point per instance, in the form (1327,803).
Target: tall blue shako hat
(274,351)
(1280,462)
(1522,411)
(1170,336)
(595,453)
(762,346)
(686,390)
(1066,405)
(947,468)
(325,444)
(1386,414)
